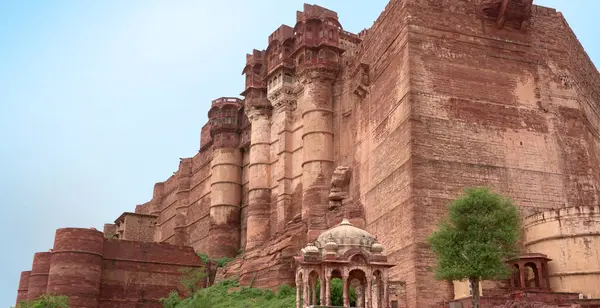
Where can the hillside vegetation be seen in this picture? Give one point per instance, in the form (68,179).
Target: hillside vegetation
(220,296)
(228,294)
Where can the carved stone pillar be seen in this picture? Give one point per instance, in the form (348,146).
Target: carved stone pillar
(346,292)
(299,293)
(360,294)
(327,289)
(540,276)
(313,291)
(386,296)
(368,292)
(259,178)
(522,271)
(323,285)
(306,291)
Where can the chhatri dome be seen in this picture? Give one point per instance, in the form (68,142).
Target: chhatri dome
(346,252)
(344,237)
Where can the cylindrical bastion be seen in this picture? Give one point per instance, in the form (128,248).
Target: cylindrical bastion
(38,279)
(23,287)
(571,238)
(76,266)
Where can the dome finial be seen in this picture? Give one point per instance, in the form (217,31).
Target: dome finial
(345,221)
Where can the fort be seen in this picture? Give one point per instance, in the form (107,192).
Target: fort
(384,127)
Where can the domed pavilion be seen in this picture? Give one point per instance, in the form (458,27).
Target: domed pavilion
(349,253)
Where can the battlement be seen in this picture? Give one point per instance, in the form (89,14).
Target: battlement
(313,11)
(255,58)
(226,100)
(281,34)
(349,36)
(562,213)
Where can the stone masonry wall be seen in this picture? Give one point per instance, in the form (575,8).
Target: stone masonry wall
(433,99)
(451,101)
(137,274)
(486,109)
(95,272)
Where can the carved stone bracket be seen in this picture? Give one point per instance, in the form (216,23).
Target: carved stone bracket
(340,181)
(360,80)
(502,11)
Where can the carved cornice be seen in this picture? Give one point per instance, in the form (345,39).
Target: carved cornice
(283,100)
(320,73)
(258,112)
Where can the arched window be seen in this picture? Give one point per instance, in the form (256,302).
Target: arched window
(532,279)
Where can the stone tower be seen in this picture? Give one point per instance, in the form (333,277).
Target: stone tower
(225,118)
(386,127)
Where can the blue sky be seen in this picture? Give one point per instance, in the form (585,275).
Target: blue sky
(99,99)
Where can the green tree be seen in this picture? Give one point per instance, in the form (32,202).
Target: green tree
(46,301)
(474,241)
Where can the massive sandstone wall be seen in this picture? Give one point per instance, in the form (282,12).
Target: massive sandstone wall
(448,100)
(457,102)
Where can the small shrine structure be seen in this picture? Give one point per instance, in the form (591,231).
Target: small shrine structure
(348,253)
(530,272)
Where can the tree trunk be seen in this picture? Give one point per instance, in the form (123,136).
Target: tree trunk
(476,296)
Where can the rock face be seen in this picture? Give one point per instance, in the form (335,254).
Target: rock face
(385,127)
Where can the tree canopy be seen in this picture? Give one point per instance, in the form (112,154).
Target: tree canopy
(478,236)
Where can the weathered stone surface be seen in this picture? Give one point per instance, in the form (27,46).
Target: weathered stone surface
(434,97)
(97,272)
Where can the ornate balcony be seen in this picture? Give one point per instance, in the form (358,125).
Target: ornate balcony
(282,82)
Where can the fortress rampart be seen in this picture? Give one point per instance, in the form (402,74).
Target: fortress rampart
(571,238)
(385,127)
(97,272)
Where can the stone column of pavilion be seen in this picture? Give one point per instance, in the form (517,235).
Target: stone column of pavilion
(226,178)
(258,110)
(317,64)
(280,81)
(183,188)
